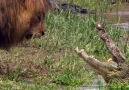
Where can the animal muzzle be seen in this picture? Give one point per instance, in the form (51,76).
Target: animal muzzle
(34,35)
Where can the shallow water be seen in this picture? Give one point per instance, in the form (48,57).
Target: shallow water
(120,15)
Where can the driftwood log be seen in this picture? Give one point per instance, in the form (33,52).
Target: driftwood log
(114,69)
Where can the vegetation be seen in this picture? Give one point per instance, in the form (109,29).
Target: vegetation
(54,53)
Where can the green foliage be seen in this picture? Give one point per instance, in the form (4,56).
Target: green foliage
(118,86)
(65,32)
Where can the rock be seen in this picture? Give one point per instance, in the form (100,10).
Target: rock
(59,5)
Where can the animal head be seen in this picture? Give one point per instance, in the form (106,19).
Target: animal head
(20,20)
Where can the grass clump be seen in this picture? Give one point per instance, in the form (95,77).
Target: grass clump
(54,55)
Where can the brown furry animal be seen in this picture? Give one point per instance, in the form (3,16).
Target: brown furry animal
(20,20)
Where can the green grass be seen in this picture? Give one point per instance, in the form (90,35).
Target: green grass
(63,69)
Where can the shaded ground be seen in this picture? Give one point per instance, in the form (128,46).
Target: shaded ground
(23,66)
(26,63)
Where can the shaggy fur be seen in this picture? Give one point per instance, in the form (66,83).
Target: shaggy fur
(20,20)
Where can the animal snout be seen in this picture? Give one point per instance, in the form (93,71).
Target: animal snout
(38,34)
(42,33)
(29,35)
(35,34)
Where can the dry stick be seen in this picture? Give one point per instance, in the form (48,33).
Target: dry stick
(118,57)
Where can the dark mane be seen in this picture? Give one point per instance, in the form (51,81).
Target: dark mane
(12,25)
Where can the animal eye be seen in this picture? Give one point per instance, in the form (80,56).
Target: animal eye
(28,36)
(35,20)
(39,18)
